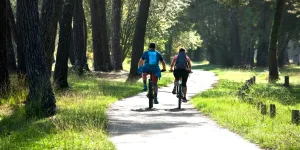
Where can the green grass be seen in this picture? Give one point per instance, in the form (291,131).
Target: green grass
(229,110)
(80,122)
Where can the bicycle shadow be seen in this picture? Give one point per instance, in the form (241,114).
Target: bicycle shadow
(155,109)
(144,109)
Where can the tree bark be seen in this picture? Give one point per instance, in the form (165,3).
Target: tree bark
(11,59)
(139,37)
(235,39)
(85,63)
(41,100)
(102,60)
(4,77)
(20,42)
(49,20)
(262,52)
(71,49)
(78,36)
(116,34)
(65,38)
(273,62)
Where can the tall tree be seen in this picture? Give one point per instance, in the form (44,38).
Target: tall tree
(116,34)
(4,77)
(65,38)
(71,50)
(273,61)
(78,36)
(264,35)
(20,41)
(235,38)
(49,19)
(85,37)
(139,37)
(11,59)
(10,37)
(40,100)
(102,60)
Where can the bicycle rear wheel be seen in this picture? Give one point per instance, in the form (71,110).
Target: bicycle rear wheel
(150,94)
(179,96)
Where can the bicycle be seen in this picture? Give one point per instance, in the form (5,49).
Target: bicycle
(179,92)
(150,94)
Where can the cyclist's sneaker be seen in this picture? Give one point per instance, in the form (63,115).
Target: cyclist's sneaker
(145,88)
(174,91)
(184,100)
(155,100)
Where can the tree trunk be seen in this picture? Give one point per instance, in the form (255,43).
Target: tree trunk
(4,77)
(78,36)
(20,42)
(262,52)
(85,63)
(11,59)
(273,62)
(71,49)
(116,34)
(65,38)
(285,35)
(41,100)
(235,39)
(139,37)
(49,20)
(102,60)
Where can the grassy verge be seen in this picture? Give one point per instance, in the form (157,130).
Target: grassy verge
(229,110)
(80,122)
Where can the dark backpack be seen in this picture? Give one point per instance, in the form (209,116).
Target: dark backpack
(181,61)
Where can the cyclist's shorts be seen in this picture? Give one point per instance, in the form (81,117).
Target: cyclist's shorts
(149,68)
(181,73)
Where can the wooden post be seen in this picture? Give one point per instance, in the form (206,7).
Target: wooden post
(286,81)
(250,100)
(259,105)
(272,110)
(295,116)
(254,79)
(263,109)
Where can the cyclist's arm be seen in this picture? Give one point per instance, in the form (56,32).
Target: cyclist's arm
(141,62)
(172,64)
(142,59)
(190,64)
(162,61)
(164,64)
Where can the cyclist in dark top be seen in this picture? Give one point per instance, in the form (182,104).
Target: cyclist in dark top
(149,62)
(182,68)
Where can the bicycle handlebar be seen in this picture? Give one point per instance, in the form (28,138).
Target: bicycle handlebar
(188,71)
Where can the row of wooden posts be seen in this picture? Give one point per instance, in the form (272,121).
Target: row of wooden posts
(263,107)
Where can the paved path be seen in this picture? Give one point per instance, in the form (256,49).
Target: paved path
(131,127)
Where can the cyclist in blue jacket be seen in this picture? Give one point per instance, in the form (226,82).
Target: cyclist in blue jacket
(149,62)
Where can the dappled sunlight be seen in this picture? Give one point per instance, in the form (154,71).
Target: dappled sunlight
(231,111)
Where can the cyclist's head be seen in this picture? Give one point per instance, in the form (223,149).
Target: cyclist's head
(181,50)
(152,46)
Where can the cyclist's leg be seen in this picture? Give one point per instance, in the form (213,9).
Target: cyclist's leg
(144,76)
(175,73)
(185,76)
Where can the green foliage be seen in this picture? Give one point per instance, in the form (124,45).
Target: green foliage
(223,105)
(81,119)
